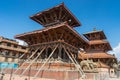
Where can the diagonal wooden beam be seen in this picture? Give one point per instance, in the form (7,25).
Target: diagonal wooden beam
(43,36)
(21,56)
(50,36)
(33,61)
(38,38)
(46,19)
(60,13)
(27,60)
(51,17)
(78,67)
(32,39)
(46,61)
(55,33)
(43,20)
(55,15)
(39,20)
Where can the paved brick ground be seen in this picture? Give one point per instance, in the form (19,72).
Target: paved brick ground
(16,77)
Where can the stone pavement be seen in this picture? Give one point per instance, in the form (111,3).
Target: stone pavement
(17,77)
(114,78)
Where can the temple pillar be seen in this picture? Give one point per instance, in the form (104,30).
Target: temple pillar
(64,55)
(46,53)
(60,53)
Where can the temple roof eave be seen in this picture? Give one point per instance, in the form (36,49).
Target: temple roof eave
(63,26)
(74,19)
(95,32)
(96,42)
(93,42)
(96,55)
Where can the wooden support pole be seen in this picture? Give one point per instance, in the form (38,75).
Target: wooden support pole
(27,60)
(21,56)
(76,64)
(45,61)
(33,61)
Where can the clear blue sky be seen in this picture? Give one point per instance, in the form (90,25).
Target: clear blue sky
(102,14)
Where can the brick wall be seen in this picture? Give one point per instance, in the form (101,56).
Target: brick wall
(57,75)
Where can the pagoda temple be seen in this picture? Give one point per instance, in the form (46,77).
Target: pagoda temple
(59,52)
(97,52)
(54,47)
(99,46)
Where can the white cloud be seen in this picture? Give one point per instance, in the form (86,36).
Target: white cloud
(21,42)
(116,51)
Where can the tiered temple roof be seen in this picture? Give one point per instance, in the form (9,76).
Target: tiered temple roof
(97,55)
(98,40)
(60,32)
(57,41)
(95,35)
(97,51)
(58,22)
(56,15)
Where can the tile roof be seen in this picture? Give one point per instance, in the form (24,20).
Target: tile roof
(53,10)
(94,42)
(97,42)
(95,32)
(95,55)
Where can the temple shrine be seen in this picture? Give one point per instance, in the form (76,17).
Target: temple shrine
(99,46)
(97,52)
(59,52)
